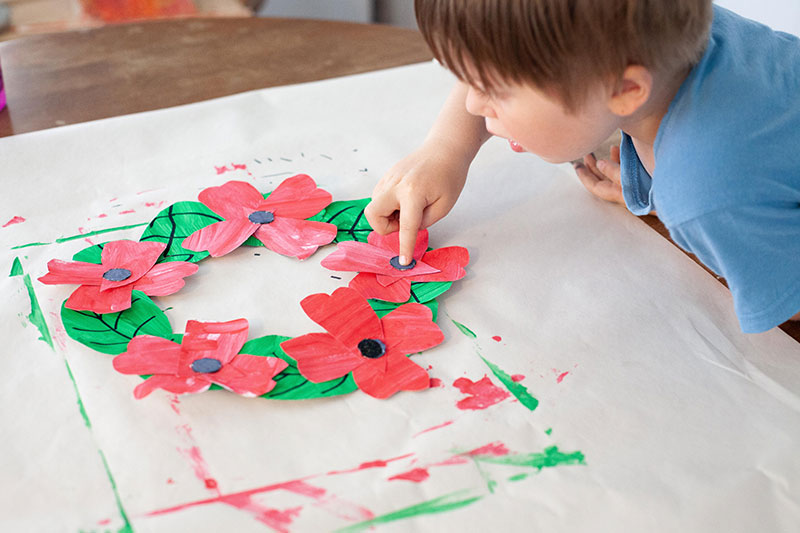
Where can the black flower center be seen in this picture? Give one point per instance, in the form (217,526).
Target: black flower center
(117,274)
(261,217)
(207,365)
(395,262)
(372,348)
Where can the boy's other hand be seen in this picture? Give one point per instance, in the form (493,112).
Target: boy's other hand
(601,177)
(418,191)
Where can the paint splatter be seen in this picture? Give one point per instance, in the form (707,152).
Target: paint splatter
(464,329)
(516,378)
(561,377)
(442,504)
(519,391)
(16,268)
(436,382)
(127,212)
(234,167)
(482,393)
(98,232)
(497,338)
(439,426)
(417,475)
(551,456)
(549,431)
(496,449)
(379,463)
(15,220)
(36,316)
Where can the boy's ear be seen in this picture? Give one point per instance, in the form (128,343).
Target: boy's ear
(631,91)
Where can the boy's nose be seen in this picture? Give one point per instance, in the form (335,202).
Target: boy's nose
(477,104)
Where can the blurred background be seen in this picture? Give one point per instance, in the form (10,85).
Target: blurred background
(25,17)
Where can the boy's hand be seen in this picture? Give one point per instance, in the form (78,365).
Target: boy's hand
(602,177)
(418,191)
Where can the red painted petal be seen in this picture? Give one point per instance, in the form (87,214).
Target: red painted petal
(220,340)
(232,200)
(91,298)
(345,314)
(149,355)
(72,272)
(292,237)
(450,262)
(174,384)
(297,197)
(400,374)
(410,329)
(137,257)
(353,256)
(165,278)
(321,357)
(220,238)
(249,375)
(368,287)
(391,242)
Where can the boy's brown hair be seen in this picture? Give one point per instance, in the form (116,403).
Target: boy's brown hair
(562,46)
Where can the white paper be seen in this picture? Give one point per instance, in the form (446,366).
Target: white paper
(632,350)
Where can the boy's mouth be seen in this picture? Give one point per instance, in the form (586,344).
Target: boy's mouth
(516,146)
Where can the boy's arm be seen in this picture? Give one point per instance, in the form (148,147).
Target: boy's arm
(423,187)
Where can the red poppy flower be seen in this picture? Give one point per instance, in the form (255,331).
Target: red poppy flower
(373,349)
(380,274)
(125,266)
(277,221)
(208,353)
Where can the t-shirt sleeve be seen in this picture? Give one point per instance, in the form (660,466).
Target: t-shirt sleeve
(757,250)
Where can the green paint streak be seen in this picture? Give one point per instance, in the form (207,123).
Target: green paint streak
(518,477)
(78,396)
(127,527)
(37,317)
(551,457)
(490,483)
(30,244)
(99,232)
(519,391)
(549,431)
(16,268)
(464,329)
(448,502)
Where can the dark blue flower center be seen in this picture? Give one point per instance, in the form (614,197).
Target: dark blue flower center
(261,217)
(372,348)
(207,365)
(117,274)
(395,262)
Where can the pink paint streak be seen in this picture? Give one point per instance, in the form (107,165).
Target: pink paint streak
(445,424)
(174,402)
(561,377)
(102,215)
(416,475)
(127,212)
(497,449)
(170,481)
(275,519)
(370,464)
(497,338)
(516,378)
(482,394)
(104,522)
(436,382)
(15,220)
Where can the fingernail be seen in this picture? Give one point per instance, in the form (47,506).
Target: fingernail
(602,165)
(592,154)
(577,164)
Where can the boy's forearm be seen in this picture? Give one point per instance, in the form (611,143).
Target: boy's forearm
(456,128)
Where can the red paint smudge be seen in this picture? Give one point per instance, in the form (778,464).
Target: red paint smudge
(89,241)
(239,167)
(496,449)
(211,483)
(174,402)
(436,382)
(113,199)
(15,220)
(127,212)
(170,481)
(455,460)
(416,475)
(343,509)
(60,335)
(149,204)
(482,394)
(561,377)
(199,466)
(102,215)
(221,170)
(445,424)
(516,378)
(277,520)
(497,338)
(369,464)
(104,521)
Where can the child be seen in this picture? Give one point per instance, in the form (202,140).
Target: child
(709,113)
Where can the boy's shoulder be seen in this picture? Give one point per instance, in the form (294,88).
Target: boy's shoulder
(730,136)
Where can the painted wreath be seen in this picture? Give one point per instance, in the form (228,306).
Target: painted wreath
(372,326)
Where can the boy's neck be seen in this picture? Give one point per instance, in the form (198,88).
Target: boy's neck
(643,125)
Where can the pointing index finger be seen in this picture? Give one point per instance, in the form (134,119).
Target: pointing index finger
(410,221)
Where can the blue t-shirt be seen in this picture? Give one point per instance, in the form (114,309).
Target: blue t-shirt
(727,177)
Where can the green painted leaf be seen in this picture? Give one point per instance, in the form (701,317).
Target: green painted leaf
(291,385)
(92,254)
(349,217)
(422,292)
(174,224)
(110,332)
(382,308)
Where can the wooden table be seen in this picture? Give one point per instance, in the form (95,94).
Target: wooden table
(67,78)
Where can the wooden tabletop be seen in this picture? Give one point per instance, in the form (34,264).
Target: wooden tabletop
(71,77)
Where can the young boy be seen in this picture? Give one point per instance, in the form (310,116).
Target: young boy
(708,103)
